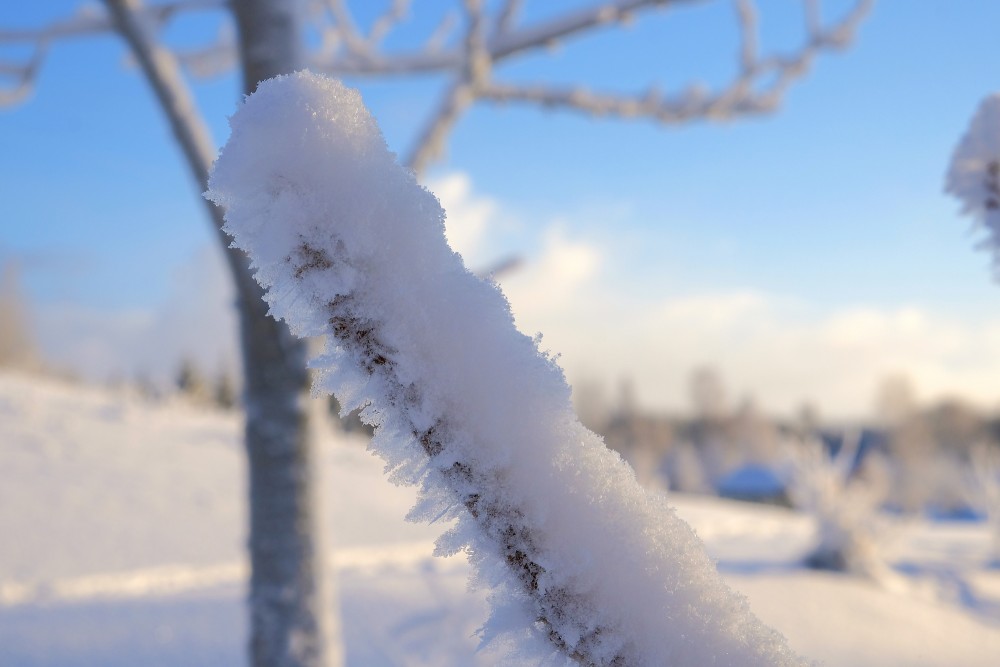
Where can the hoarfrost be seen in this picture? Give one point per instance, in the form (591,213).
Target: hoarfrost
(974,174)
(582,562)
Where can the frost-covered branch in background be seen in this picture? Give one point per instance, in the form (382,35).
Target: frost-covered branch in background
(843,504)
(491,39)
(758,88)
(580,560)
(470,46)
(974,174)
(17,76)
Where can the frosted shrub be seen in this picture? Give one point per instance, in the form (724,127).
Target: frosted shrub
(844,507)
(985,491)
(581,561)
(974,174)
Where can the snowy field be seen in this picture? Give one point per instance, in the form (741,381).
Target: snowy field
(122,531)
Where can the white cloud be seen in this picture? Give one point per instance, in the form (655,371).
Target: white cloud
(781,350)
(550,282)
(467,215)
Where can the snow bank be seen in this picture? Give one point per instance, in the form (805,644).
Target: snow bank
(580,559)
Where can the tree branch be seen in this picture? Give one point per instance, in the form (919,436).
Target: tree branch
(507,15)
(757,88)
(742,97)
(86,22)
(214,59)
(359,59)
(490,38)
(430,142)
(474,75)
(162,71)
(384,24)
(545,33)
(23,77)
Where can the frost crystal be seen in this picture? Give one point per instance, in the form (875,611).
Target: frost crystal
(974,175)
(581,560)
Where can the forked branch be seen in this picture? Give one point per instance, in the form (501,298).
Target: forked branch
(486,37)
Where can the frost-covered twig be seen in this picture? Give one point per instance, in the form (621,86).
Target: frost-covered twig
(213,59)
(974,174)
(21,76)
(349,246)
(467,86)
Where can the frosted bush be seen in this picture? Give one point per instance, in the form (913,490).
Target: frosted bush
(974,174)
(581,561)
(844,507)
(985,491)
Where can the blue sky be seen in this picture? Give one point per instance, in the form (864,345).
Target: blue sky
(806,254)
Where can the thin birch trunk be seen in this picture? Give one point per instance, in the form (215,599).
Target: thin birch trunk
(288,617)
(288,623)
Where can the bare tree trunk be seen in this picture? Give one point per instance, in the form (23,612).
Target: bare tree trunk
(287,602)
(286,596)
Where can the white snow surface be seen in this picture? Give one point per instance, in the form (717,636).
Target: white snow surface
(335,229)
(123,524)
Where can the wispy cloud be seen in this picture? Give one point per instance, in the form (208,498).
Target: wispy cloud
(780,349)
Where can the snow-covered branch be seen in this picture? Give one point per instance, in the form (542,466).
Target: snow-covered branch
(350,247)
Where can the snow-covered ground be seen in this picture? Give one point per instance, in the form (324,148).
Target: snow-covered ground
(121,530)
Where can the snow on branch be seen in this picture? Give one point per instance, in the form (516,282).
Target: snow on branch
(581,561)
